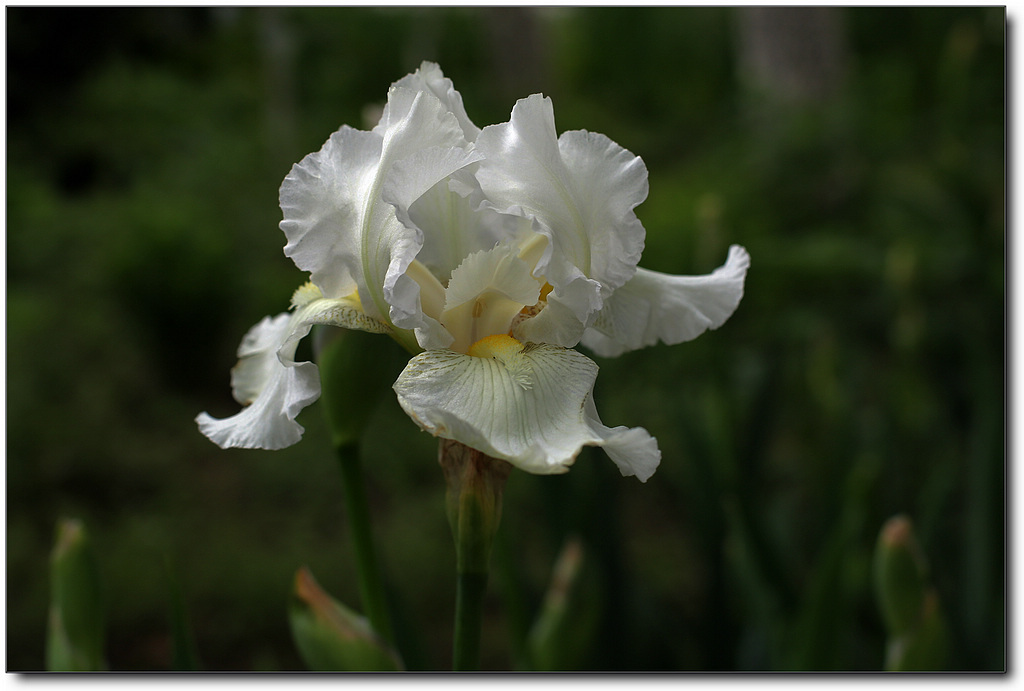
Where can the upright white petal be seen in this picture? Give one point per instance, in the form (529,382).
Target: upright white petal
(455,222)
(527,405)
(610,182)
(429,77)
(323,199)
(656,307)
(407,181)
(582,188)
(267,380)
(336,221)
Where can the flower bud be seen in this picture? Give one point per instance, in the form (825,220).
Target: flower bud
(899,575)
(475,483)
(331,637)
(910,605)
(74,640)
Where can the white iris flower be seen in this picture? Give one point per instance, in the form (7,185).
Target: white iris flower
(491,253)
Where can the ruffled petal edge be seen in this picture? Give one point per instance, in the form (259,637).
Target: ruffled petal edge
(530,405)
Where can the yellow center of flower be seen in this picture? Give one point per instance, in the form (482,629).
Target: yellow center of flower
(499,346)
(509,352)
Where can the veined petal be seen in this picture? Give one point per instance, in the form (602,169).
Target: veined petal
(527,405)
(267,380)
(582,188)
(429,77)
(656,307)
(337,223)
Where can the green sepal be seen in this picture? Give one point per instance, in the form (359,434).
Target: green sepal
(75,631)
(332,638)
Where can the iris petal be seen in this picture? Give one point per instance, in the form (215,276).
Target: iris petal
(429,77)
(267,380)
(533,409)
(656,307)
(582,188)
(339,226)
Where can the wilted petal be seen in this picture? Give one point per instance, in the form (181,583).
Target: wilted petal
(582,188)
(271,385)
(267,380)
(656,307)
(527,405)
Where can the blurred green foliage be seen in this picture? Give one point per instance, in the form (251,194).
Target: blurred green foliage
(862,376)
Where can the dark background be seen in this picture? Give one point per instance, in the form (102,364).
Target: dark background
(857,153)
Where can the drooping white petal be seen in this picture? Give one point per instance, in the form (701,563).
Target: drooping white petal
(340,228)
(656,307)
(529,406)
(257,357)
(272,385)
(429,77)
(485,293)
(582,188)
(632,449)
(267,380)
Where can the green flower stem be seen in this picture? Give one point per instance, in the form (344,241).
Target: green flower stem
(475,486)
(371,583)
(469,616)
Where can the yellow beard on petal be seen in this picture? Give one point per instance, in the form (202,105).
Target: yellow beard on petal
(305,294)
(509,352)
